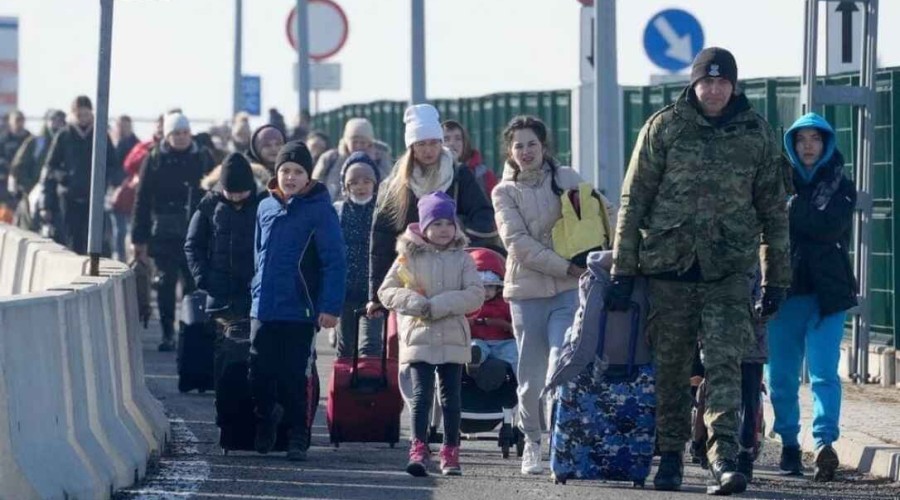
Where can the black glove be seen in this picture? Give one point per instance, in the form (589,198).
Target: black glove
(770,300)
(618,295)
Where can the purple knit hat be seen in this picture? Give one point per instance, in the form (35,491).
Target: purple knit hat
(435,206)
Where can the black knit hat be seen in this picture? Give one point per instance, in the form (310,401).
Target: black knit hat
(296,152)
(237,176)
(715,62)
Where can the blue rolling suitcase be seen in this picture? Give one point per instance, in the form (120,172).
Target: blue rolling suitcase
(605,418)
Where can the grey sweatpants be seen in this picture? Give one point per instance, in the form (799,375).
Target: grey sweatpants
(540,328)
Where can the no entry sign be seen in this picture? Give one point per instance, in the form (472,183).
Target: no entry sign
(328,29)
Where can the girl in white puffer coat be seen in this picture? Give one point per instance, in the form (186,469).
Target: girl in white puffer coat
(431,286)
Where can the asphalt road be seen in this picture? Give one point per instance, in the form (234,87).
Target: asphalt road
(194,466)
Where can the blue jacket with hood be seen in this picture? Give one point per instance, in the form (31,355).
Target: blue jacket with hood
(821,220)
(285,232)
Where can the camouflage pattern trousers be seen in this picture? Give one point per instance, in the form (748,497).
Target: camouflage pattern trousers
(718,315)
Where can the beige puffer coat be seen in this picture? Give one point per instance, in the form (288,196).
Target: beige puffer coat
(432,290)
(526,211)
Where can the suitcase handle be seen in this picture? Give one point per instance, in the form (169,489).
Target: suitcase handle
(635,309)
(354,371)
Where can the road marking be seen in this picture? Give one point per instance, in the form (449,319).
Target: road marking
(310,469)
(164,377)
(148,494)
(184,476)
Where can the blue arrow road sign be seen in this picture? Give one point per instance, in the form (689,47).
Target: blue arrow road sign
(251,100)
(672,38)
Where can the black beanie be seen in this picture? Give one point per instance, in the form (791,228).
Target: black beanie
(296,152)
(237,176)
(714,61)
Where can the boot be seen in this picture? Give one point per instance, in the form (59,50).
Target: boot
(298,443)
(745,465)
(826,463)
(670,473)
(698,454)
(267,430)
(791,460)
(728,479)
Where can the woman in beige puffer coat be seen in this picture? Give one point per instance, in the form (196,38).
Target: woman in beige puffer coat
(540,285)
(431,286)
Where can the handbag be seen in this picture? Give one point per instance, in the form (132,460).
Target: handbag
(584,226)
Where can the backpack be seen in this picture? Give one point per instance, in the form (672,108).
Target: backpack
(584,225)
(620,349)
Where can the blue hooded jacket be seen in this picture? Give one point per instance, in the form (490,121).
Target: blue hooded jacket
(285,231)
(810,120)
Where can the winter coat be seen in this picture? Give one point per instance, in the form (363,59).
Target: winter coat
(356,226)
(26,164)
(483,175)
(261,175)
(219,251)
(328,169)
(472,209)
(69,160)
(487,260)
(124,147)
(432,290)
(167,193)
(285,229)
(9,146)
(821,222)
(526,211)
(704,196)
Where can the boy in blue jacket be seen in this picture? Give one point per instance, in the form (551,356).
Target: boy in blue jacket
(284,315)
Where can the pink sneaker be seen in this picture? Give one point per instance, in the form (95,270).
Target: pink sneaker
(418,459)
(450,461)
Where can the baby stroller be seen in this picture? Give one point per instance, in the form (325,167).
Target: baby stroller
(489,399)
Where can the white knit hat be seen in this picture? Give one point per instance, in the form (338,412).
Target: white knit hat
(174,122)
(422,123)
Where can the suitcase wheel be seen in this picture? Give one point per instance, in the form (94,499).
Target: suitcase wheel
(392,445)
(336,444)
(506,439)
(225,452)
(558,479)
(638,483)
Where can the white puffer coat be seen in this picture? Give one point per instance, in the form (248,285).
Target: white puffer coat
(432,290)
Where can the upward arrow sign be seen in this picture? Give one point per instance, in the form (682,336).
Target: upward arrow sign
(847,9)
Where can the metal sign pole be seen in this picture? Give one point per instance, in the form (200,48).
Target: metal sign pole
(101,120)
(303,56)
(418,52)
(607,146)
(237,97)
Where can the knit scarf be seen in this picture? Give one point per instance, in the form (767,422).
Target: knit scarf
(533,177)
(826,188)
(439,179)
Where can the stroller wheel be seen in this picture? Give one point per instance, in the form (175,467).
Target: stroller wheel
(505,439)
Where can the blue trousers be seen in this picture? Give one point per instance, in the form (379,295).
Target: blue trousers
(797,330)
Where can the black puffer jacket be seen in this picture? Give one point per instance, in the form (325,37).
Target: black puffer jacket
(219,251)
(69,160)
(820,239)
(472,208)
(167,193)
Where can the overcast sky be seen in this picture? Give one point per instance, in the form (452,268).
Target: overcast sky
(179,52)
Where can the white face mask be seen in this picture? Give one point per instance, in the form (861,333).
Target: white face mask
(360,201)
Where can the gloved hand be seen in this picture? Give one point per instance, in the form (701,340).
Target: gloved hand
(618,295)
(770,300)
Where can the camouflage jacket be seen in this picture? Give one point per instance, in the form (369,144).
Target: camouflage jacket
(704,193)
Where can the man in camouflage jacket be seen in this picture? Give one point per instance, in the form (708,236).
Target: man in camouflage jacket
(702,202)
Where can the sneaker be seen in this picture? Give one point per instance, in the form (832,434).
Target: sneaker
(531,458)
(297,446)
(167,345)
(791,460)
(418,459)
(450,461)
(826,463)
(670,473)
(267,430)
(728,480)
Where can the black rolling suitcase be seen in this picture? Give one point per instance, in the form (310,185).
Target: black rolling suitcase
(234,402)
(196,345)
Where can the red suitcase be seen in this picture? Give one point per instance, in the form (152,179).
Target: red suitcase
(364,402)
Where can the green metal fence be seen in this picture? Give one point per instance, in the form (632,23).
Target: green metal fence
(777,99)
(484,117)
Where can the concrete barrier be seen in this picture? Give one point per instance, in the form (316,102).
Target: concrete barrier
(76,420)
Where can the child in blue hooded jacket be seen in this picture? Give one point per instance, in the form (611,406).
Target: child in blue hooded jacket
(285,316)
(811,321)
